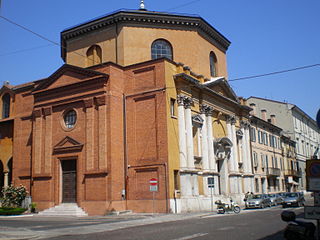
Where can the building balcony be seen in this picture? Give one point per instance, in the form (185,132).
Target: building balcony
(273,172)
(293,173)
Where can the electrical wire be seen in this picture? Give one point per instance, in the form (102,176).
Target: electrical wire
(24,50)
(183,5)
(230,80)
(274,73)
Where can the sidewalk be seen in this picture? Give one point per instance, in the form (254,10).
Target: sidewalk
(130,220)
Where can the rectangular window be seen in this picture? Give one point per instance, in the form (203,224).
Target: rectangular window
(263,164)
(253,134)
(172,107)
(259,137)
(176,180)
(266,142)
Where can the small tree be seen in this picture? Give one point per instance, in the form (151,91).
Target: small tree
(13,196)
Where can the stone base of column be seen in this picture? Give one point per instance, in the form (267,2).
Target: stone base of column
(233,180)
(248,184)
(189,184)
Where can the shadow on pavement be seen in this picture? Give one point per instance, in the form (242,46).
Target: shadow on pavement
(275,236)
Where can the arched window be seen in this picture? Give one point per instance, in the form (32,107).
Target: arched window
(94,55)
(213,64)
(6,105)
(161,48)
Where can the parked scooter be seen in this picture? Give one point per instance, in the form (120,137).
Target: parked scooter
(225,207)
(297,230)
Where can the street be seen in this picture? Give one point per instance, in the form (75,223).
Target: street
(249,224)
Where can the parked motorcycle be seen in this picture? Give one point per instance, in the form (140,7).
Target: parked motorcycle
(225,207)
(297,230)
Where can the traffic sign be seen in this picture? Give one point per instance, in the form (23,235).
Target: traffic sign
(313,168)
(210,182)
(153,185)
(153,181)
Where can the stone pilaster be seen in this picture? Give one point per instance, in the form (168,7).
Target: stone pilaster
(102,135)
(205,160)
(37,141)
(47,112)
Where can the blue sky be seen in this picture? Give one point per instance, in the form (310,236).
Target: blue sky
(266,36)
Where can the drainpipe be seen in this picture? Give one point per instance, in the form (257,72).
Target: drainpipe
(166,182)
(125,167)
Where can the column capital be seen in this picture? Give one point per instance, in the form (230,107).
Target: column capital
(206,109)
(231,119)
(47,111)
(101,100)
(37,113)
(180,100)
(245,124)
(88,103)
(188,101)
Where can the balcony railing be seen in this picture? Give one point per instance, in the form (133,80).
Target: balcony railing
(273,171)
(294,173)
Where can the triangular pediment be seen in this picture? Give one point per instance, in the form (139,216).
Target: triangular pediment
(67,75)
(222,87)
(197,120)
(67,144)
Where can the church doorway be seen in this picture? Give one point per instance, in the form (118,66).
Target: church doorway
(69,181)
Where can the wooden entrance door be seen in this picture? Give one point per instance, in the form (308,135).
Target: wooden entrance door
(69,181)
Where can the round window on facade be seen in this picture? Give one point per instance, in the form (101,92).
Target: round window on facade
(70,119)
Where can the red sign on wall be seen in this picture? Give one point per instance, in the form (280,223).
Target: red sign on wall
(153,181)
(153,185)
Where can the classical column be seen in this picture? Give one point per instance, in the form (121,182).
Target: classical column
(211,156)
(188,118)
(6,179)
(230,136)
(48,140)
(231,179)
(205,160)
(235,145)
(182,132)
(102,135)
(88,103)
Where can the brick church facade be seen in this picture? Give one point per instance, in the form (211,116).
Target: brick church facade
(126,107)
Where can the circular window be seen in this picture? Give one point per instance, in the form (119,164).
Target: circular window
(70,119)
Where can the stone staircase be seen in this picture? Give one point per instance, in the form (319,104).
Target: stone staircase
(64,209)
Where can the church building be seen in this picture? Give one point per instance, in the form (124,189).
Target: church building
(142,95)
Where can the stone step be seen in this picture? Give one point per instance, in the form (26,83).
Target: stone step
(65,209)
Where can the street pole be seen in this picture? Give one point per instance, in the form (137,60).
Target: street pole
(211,200)
(152,203)
(317,204)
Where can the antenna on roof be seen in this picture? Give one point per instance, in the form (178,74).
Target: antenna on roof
(142,7)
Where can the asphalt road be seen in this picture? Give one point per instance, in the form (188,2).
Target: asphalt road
(260,224)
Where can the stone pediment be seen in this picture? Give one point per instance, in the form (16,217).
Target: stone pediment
(221,86)
(197,120)
(67,144)
(67,75)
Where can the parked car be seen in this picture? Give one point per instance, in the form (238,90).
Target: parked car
(293,199)
(258,201)
(275,198)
